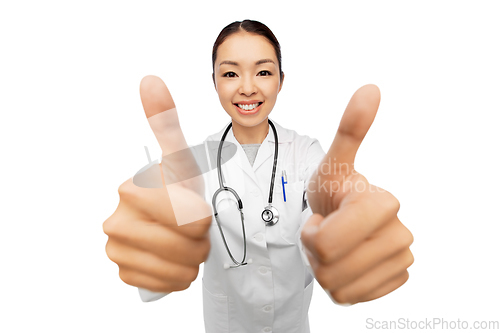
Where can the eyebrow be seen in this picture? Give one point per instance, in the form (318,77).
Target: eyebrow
(229,62)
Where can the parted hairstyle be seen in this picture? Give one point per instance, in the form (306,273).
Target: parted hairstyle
(250,26)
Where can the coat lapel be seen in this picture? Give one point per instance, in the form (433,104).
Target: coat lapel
(241,157)
(264,151)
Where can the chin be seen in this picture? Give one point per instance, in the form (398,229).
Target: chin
(249,122)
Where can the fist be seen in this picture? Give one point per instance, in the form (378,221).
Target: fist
(159,236)
(356,245)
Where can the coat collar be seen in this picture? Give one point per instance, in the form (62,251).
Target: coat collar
(266,150)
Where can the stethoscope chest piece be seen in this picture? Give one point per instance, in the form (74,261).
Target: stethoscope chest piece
(270,215)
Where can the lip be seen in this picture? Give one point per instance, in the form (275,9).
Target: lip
(253,101)
(245,112)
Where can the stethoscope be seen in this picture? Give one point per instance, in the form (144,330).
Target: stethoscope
(270,215)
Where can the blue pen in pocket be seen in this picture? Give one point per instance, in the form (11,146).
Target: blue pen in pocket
(283,182)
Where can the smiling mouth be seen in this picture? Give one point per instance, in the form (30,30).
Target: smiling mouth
(249,107)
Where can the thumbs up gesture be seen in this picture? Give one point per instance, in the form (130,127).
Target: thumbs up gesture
(158,236)
(355,243)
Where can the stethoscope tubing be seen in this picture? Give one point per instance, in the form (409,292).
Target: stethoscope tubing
(238,199)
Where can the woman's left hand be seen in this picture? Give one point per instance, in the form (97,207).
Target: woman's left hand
(355,243)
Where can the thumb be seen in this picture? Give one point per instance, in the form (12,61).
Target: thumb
(162,115)
(355,123)
(178,162)
(179,167)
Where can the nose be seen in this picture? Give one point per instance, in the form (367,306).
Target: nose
(247,86)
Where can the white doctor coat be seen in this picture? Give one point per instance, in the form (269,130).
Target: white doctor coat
(273,293)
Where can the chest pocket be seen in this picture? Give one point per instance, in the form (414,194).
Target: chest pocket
(290,211)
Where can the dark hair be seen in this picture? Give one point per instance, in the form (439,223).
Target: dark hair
(250,26)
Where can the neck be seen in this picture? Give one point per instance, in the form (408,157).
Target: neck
(255,134)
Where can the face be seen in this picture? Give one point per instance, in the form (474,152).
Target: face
(246,76)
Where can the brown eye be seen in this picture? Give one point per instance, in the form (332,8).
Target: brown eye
(229,74)
(265,73)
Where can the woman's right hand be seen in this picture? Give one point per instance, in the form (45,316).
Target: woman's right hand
(158,237)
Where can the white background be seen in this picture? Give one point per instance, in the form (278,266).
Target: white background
(73,129)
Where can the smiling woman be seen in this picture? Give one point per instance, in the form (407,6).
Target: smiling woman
(353,244)
(247,74)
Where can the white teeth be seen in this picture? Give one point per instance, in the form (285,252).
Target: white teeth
(248,106)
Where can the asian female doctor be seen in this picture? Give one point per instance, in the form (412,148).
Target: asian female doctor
(265,219)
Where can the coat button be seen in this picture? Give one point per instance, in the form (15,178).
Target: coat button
(255,193)
(267,329)
(259,237)
(267,308)
(262,270)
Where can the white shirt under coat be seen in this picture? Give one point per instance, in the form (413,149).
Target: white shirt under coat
(273,293)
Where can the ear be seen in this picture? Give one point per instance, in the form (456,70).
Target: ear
(281,83)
